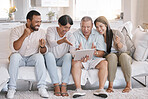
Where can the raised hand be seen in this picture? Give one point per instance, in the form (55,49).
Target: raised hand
(93,46)
(27,32)
(67,41)
(118,42)
(85,59)
(117,39)
(42,42)
(80,46)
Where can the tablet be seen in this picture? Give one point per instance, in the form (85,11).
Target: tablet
(79,54)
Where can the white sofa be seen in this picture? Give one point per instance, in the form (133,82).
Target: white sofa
(139,68)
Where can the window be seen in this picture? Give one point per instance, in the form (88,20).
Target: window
(4,8)
(95,8)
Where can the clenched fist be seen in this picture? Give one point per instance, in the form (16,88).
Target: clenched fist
(42,42)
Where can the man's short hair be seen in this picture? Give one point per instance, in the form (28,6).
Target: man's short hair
(86,18)
(63,20)
(31,13)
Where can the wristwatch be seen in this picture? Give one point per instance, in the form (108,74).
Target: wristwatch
(42,47)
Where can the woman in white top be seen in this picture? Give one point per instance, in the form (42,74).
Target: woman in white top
(60,43)
(115,52)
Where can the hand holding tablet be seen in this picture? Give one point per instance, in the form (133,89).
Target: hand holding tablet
(79,54)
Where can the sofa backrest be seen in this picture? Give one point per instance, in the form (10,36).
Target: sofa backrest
(4,44)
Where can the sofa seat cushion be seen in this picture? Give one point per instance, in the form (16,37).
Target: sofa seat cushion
(28,73)
(139,68)
(93,75)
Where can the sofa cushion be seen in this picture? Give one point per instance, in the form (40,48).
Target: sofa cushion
(28,73)
(4,45)
(126,29)
(139,68)
(128,41)
(140,39)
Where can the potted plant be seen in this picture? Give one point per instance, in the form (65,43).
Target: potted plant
(50,15)
(11,12)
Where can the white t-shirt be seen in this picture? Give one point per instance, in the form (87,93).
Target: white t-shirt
(59,49)
(30,45)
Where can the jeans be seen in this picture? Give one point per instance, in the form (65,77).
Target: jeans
(37,60)
(52,63)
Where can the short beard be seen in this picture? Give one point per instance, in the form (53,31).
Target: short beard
(33,28)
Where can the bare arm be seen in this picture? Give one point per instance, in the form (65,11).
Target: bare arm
(64,40)
(97,53)
(18,43)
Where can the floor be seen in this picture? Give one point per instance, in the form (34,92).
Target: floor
(22,91)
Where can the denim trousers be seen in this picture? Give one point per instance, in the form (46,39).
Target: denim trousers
(64,62)
(37,60)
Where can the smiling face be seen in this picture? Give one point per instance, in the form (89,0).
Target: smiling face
(86,27)
(101,28)
(64,29)
(35,23)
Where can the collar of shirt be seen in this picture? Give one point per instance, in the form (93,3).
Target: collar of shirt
(92,33)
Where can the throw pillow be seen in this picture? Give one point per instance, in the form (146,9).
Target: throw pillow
(128,41)
(140,39)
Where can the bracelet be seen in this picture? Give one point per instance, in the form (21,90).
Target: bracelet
(42,47)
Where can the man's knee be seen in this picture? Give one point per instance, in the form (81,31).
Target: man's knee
(38,57)
(67,56)
(76,64)
(49,55)
(102,65)
(15,56)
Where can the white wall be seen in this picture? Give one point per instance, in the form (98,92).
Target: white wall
(145,11)
(127,10)
(136,11)
(24,6)
(22,9)
(71,9)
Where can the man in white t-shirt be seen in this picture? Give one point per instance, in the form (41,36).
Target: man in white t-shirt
(88,38)
(27,42)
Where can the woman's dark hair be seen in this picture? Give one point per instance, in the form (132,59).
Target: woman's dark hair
(63,20)
(109,32)
(31,13)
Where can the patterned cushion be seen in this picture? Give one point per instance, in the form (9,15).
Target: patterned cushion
(128,41)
